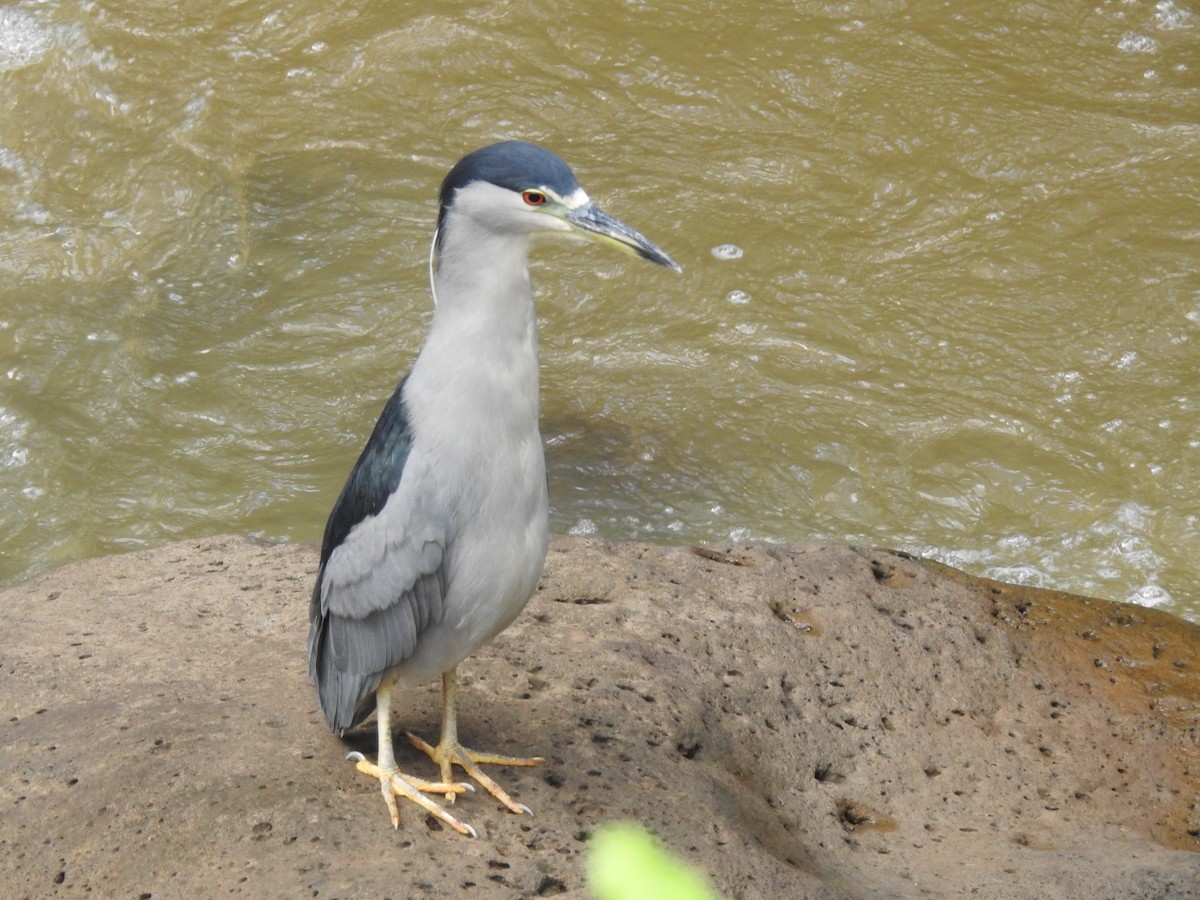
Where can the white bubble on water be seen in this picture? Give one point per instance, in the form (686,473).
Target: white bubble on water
(1132,42)
(1024,574)
(1170,16)
(738,297)
(1127,359)
(1150,595)
(1133,515)
(726,252)
(582,528)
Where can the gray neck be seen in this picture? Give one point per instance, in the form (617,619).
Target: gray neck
(481,272)
(480,359)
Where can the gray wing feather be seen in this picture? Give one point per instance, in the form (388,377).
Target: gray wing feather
(380,589)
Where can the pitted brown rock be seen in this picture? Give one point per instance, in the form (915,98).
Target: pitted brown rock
(807,721)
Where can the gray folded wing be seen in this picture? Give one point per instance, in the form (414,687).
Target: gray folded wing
(377,591)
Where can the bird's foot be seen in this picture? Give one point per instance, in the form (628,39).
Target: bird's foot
(455,754)
(392,784)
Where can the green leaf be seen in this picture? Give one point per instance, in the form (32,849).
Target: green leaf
(626,862)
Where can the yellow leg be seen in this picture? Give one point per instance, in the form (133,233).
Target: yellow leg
(393,784)
(449,752)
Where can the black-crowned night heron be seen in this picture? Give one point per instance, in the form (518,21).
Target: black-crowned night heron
(438,538)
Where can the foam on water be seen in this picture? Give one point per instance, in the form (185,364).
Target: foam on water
(23,39)
(13,450)
(1169,16)
(582,528)
(1132,42)
(1150,595)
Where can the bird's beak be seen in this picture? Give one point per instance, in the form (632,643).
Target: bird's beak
(595,223)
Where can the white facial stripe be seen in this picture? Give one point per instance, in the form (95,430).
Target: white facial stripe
(576,199)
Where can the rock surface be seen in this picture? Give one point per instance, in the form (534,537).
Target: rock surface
(805,721)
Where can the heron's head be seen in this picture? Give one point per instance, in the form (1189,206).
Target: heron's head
(519,188)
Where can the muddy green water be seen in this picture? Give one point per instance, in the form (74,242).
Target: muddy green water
(940,288)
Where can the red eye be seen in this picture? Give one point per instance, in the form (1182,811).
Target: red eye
(534,198)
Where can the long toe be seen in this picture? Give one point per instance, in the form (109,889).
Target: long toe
(455,754)
(393,784)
